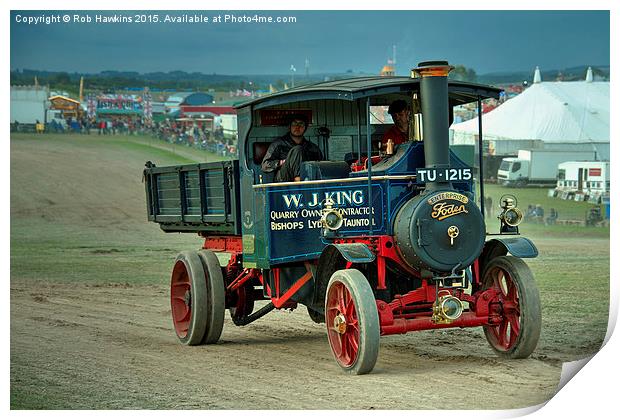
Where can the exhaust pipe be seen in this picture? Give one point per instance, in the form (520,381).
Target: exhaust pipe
(435,116)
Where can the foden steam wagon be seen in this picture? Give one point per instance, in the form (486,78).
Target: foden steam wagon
(372,241)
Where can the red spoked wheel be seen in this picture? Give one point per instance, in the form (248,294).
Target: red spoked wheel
(352,321)
(516,336)
(188,289)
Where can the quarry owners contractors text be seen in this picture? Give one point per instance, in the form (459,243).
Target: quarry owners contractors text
(151,18)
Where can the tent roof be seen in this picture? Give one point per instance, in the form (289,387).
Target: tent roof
(554,112)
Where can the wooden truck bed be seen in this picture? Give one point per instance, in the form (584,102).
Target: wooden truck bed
(202,197)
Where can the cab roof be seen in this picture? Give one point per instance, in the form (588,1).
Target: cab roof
(379,88)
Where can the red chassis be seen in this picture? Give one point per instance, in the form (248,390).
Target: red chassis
(496,306)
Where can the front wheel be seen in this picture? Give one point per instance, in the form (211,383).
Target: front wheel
(516,336)
(352,321)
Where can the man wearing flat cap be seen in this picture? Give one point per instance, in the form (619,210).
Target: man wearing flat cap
(285,154)
(399,132)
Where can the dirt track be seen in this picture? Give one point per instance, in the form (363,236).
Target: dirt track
(109,344)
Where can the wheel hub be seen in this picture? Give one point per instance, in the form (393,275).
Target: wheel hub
(340,323)
(188,298)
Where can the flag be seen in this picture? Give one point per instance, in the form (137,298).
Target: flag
(91,106)
(148,104)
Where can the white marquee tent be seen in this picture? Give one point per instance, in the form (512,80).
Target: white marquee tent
(550,115)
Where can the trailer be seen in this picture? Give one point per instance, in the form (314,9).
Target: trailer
(537,166)
(372,242)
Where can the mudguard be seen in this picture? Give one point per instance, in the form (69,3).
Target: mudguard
(518,246)
(334,257)
(355,253)
(498,246)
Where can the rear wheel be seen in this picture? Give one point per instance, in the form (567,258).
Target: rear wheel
(352,321)
(516,336)
(188,292)
(215,296)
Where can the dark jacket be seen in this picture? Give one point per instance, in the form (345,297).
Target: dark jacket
(279,149)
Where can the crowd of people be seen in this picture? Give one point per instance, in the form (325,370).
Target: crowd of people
(187,133)
(85,125)
(193,134)
(536,214)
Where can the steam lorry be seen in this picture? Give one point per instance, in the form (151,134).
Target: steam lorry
(371,242)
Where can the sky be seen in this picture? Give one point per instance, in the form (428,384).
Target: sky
(331,41)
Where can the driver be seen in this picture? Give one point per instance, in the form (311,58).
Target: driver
(285,154)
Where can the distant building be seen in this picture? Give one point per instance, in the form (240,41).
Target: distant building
(109,105)
(29,104)
(388,69)
(175,101)
(70,108)
(212,110)
(159,107)
(213,116)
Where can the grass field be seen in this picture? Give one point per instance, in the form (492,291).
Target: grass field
(567,209)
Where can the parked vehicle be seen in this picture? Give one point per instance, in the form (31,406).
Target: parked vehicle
(372,244)
(537,166)
(591,177)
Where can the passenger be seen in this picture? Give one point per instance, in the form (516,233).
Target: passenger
(399,132)
(285,154)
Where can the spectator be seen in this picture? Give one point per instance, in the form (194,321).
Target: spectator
(539,214)
(594,216)
(39,127)
(553,216)
(529,213)
(488,206)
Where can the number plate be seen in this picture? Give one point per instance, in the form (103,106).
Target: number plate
(424,175)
